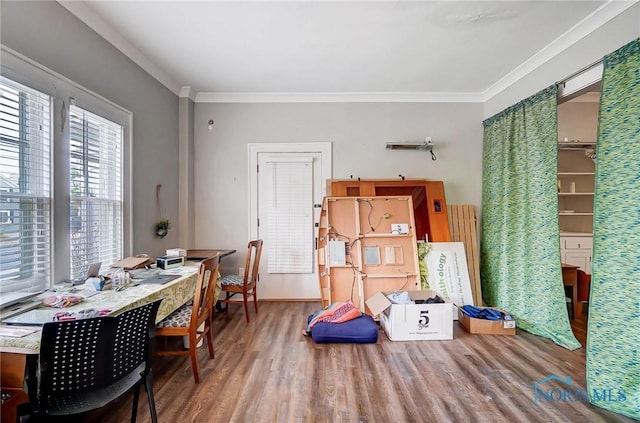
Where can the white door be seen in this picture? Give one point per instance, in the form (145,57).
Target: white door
(287,184)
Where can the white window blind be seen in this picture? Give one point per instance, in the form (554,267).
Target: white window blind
(25,188)
(96,206)
(290,203)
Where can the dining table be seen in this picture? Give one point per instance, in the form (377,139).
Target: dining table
(174,293)
(111,301)
(20,344)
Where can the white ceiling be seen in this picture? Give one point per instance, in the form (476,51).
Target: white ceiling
(464,50)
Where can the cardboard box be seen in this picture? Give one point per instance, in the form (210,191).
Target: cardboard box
(133,262)
(487,327)
(176,252)
(413,322)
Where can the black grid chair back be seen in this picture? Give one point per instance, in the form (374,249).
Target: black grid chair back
(87,363)
(132,347)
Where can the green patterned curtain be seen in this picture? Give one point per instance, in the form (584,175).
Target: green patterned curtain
(520,247)
(613,334)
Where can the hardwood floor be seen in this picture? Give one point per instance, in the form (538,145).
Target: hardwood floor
(267,371)
(579,325)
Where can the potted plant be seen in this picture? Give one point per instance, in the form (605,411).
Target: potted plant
(162,228)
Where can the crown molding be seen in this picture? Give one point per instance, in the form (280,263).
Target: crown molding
(187,92)
(589,24)
(80,10)
(595,20)
(364,97)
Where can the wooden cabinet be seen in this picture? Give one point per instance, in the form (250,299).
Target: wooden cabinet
(570,281)
(366,245)
(429,204)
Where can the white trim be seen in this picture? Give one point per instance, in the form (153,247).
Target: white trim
(81,11)
(324,148)
(25,71)
(595,20)
(364,97)
(127,189)
(13,67)
(187,92)
(290,160)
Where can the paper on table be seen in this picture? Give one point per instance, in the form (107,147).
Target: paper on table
(143,273)
(182,270)
(14,332)
(86,292)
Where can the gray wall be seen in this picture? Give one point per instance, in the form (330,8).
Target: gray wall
(358,131)
(578,121)
(48,34)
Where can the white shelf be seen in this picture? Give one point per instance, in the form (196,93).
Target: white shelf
(576,173)
(576,170)
(575,145)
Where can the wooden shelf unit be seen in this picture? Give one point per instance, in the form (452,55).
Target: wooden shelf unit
(429,203)
(375,258)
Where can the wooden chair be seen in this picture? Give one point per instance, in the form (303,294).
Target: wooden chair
(584,284)
(245,285)
(186,320)
(13,394)
(88,363)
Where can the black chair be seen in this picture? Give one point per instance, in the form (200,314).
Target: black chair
(87,363)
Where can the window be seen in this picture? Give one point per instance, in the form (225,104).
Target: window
(25,188)
(65,187)
(96,207)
